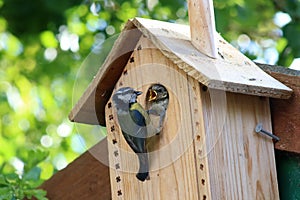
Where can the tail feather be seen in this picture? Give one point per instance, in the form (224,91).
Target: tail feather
(143,173)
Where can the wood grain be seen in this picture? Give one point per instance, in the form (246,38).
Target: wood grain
(172,162)
(202,26)
(200,146)
(286,113)
(90,107)
(231,71)
(241,162)
(84,178)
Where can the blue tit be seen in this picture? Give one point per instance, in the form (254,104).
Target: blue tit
(133,120)
(157,99)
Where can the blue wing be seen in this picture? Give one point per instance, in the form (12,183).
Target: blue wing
(137,114)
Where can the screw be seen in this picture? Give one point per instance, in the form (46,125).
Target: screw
(259,129)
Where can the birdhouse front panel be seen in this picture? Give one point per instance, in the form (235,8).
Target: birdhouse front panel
(172,162)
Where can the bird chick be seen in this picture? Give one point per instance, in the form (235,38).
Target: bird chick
(133,121)
(157,99)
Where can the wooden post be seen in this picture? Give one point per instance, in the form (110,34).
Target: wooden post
(285,113)
(202,25)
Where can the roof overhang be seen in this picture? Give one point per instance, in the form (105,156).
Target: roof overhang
(231,71)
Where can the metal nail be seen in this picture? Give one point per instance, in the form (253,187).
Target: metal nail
(259,129)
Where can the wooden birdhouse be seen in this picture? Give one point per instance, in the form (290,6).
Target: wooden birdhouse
(208,147)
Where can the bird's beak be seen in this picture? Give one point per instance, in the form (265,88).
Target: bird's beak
(152,95)
(138,93)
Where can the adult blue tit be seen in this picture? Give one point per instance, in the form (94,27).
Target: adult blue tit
(133,120)
(157,99)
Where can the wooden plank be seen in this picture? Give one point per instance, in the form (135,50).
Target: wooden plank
(202,167)
(286,113)
(171,154)
(90,107)
(231,71)
(202,26)
(85,178)
(242,162)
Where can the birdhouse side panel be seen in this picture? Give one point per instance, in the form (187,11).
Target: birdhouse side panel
(241,161)
(171,153)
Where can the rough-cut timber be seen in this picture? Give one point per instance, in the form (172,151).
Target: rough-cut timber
(173,172)
(208,139)
(202,24)
(95,176)
(84,178)
(90,107)
(241,162)
(231,71)
(286,113)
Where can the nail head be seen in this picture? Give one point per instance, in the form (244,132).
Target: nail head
(258,128)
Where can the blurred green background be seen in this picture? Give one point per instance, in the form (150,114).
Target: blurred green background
(47,58)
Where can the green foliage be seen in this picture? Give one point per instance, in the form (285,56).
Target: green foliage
(20,186)
(36,16)
(51,49)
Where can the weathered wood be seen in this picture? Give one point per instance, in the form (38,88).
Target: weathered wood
(202,26)
(286,113)
(171,154)
(85,178)
(241,162)
(200,145)
(231,71)
(90,107)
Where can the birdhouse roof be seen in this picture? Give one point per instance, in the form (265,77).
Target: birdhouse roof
(230,71)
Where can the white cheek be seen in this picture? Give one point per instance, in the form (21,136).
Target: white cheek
(124,98)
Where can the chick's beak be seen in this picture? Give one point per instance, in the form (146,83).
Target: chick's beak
(152,95)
